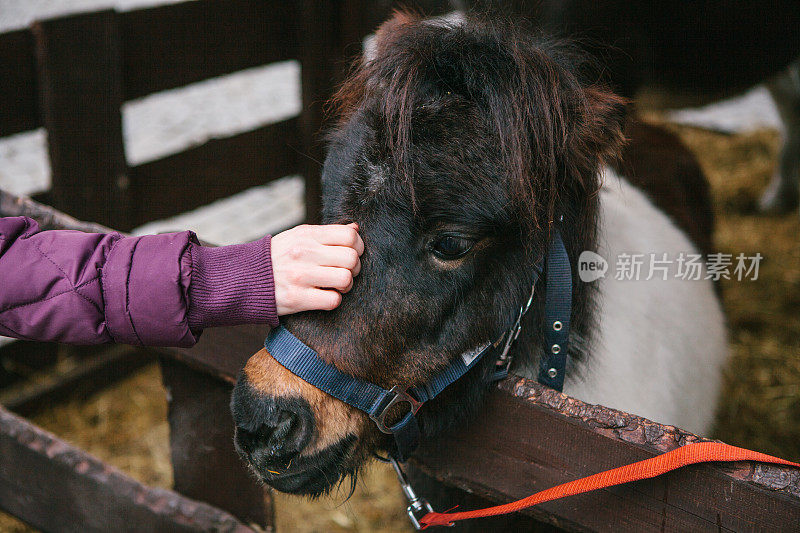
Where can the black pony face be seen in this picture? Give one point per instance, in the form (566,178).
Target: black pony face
(454,193)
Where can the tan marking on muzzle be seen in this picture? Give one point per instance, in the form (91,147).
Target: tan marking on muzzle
(334,419)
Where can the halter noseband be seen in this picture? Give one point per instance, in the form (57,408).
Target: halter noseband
(376,401)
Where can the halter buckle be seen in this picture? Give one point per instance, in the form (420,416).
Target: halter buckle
(397,395)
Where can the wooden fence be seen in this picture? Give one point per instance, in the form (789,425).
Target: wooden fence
(71,75)
(526,438)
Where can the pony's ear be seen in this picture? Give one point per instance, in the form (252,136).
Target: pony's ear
(388,32)
(604,123)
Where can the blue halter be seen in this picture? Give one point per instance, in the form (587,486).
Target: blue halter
(377,401)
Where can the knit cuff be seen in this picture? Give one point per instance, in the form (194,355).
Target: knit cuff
(232,285)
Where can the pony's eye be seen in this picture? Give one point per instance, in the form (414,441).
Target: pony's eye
(451,246)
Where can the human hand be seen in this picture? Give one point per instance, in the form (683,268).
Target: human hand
(313,265)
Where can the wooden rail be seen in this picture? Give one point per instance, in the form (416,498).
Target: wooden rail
(528,437)
(216,169)
(171,46)
(56,487)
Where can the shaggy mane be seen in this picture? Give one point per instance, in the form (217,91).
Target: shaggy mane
(553,126)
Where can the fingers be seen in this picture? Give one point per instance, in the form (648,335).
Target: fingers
(313,265)
(340,279)
(324,300)
(339,235)
(339,256)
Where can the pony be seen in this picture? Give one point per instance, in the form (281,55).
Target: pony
(462,144)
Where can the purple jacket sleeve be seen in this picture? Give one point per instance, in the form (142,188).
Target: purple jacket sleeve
(156,290)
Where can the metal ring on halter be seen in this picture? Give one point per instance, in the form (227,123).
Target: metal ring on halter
(399,396)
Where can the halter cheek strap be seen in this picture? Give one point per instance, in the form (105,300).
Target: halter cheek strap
(368,397)
(557,312)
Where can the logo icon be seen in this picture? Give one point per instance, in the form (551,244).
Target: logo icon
(591,266)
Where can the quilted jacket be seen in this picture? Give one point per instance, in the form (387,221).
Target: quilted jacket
(157,290)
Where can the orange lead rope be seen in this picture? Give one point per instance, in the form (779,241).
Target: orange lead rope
(700,452)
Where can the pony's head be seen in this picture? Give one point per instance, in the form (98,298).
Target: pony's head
(459,143)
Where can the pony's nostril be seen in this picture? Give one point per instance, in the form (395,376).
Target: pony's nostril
(287,436)
(286,424)
(283,438)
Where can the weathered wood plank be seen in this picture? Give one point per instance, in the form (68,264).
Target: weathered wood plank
(18,85)
(57,487)
(48,217)
(529,438)
(80,83)
(214,170)
(173,45)
(205,464)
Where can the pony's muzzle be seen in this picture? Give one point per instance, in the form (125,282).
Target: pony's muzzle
(270,430)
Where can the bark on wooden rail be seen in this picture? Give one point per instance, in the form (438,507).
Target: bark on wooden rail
(47,217)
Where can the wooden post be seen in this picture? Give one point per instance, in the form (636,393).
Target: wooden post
(321,62)
(80,84)
(205,464)
(20,110)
